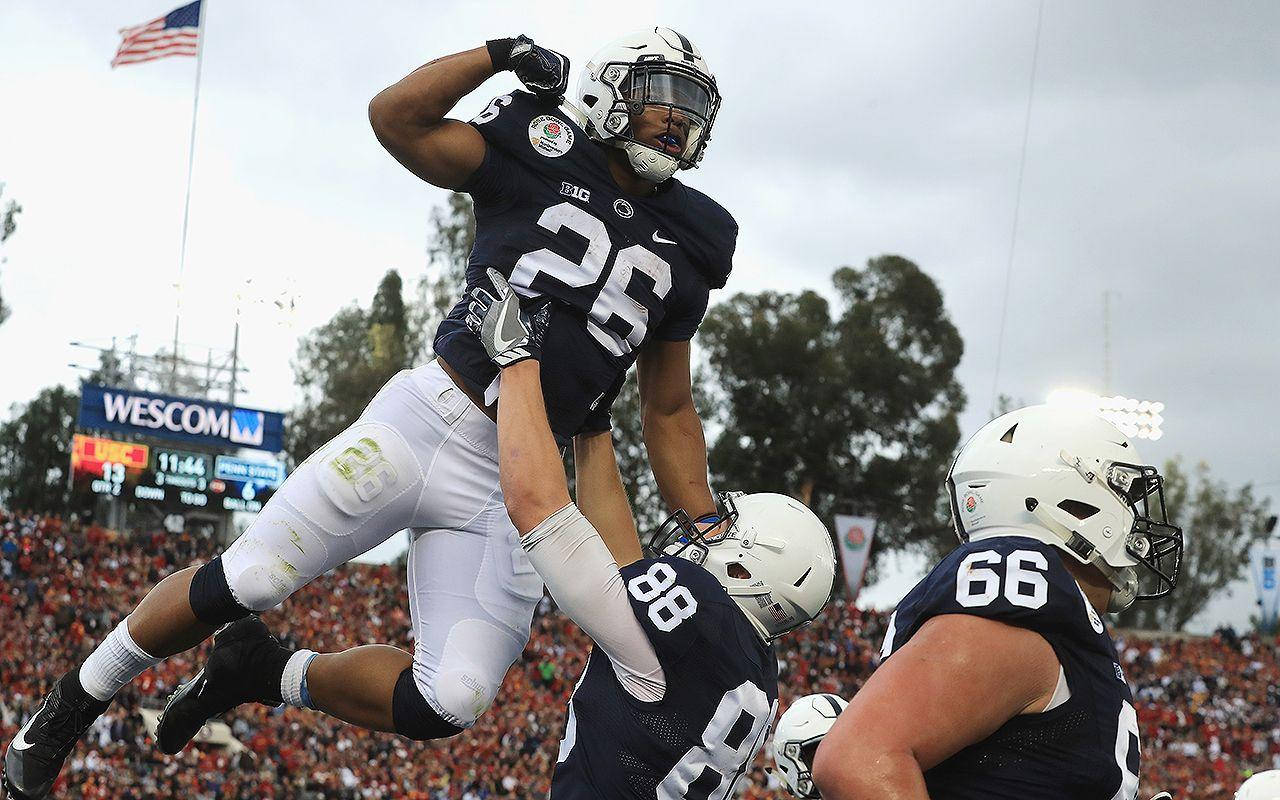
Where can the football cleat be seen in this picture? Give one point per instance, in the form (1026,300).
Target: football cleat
(36,754)
(243,667)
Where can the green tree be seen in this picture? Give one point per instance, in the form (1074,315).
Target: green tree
(341,364)
(35,451)
(854,411)
(633,460)
(8,224)
(1218,528)
(451,234)
(388,327)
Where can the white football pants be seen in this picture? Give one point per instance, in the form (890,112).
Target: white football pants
(421,456)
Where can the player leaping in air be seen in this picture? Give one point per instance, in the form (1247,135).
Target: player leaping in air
(1000,679)
(575,202)
(681,687)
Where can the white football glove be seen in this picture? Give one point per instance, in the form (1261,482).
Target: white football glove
(509,333)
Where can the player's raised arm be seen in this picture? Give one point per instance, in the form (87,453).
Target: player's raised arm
(601,496)
(672,429)
(409,119)
(562,545)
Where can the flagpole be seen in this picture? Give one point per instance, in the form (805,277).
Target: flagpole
(186,205)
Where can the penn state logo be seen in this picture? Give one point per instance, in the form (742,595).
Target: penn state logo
(623,209)
(550,136)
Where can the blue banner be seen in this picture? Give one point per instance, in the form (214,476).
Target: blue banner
(180,418)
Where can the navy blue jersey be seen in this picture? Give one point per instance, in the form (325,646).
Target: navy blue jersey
(624,269)
(1085,749)
(721,697)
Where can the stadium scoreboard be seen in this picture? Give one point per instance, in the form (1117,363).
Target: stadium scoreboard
(135,448)
(173,478)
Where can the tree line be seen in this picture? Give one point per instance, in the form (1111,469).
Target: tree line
(848,402)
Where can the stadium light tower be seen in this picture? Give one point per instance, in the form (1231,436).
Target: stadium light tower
(1139,419)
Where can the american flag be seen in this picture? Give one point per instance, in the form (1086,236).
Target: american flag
(175,34)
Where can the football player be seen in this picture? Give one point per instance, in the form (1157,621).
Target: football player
(682,684)
(576,202)
(800,730)
(999,678)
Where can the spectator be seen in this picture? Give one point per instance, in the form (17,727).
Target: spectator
(1207,706)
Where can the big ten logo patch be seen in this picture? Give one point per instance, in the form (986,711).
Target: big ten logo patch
(576,192)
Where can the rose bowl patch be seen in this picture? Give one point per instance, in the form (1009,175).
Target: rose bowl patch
(550,136)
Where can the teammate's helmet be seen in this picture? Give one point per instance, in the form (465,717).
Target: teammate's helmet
(657,67)
(796,739)
(771,553)
(1070,479)
(1261,786)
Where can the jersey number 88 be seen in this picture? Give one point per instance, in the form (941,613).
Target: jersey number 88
(669,604)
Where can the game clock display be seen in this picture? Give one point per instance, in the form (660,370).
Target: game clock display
(178,480)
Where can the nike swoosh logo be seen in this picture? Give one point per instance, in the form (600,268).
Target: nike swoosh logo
(660,240)
(505,328)
(20,741)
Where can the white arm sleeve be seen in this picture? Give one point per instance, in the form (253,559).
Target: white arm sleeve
(585,582)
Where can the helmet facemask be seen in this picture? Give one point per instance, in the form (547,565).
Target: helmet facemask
(680,536)
(1154,542)
(684,92)
(802,753)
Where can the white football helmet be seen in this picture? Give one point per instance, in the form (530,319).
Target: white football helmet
(1261,786)
(796,739)
(1070,479)
(657,67)
(771,553)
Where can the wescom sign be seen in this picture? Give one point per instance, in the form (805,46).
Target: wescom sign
(182,418)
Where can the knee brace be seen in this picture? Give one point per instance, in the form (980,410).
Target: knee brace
(210,596)
(413,716)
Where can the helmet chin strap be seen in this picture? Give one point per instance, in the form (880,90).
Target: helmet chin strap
(1124,580)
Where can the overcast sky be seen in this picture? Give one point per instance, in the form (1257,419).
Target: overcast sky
(848,130)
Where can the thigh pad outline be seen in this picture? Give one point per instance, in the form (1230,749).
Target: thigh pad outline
(462,686)
(364,469)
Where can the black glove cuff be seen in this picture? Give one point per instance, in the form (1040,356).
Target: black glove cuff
(500,53)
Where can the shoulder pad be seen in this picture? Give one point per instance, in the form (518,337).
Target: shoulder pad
(714,236)
(523,126)
(1016,580)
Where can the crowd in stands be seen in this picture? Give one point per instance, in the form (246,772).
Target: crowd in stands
(1207,707)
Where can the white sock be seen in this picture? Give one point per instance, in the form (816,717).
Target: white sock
(293,681)
(115,662)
